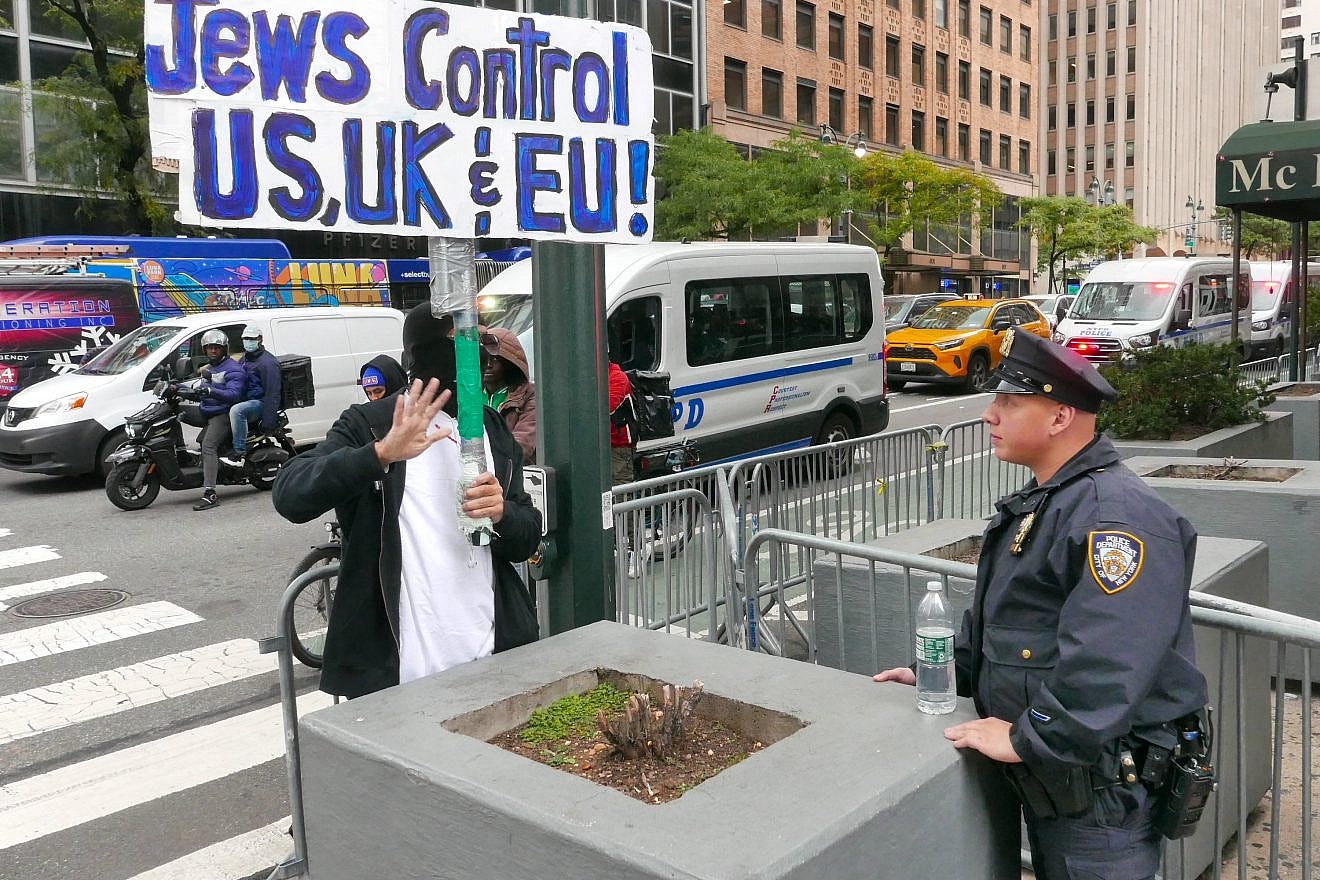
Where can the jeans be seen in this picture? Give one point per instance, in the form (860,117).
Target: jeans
(239,416)
(214,431)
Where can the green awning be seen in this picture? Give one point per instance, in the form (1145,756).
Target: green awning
(1271,168)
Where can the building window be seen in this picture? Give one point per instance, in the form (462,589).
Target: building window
(1090,19)
(865,122)
(942,14)
(1132,12)
(772,93)
(1109,109)
(891,124)
(735,83)
(1090,157)
(1129,154)
(919,9)
(964,142)
(1070,163)
(806,101)
(1109,157)
(1024,42)
(984,146)
(1131,107)
(735,13)
(806,25)
(1315,39)
(1090,112)
(1005,35)
(1054,72)
(965,80)
(1005,152)
(1132,59)
(1072,22)
(1053,29)
(919,65)
(1127,197)
(864,50)
(942,73)
(1090,65)
(987,26)
(836,37)
(1291,21)
(918,130)
(1072,70)
(772,21)
(1024,157)
(1024,100)
(985,88)
(941,136)
(836,109)
(1051,162)
(892,4)
(1051,118)
(1111,16)
(891,57)
(1111,58)
(1072,115)
(1005,94)
(965,18)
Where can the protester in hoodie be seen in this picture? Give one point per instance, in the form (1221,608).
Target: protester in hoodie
(415,596)
(381,376)
(264,386)
(510,391)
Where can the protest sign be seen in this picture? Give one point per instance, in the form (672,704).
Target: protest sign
(402,116)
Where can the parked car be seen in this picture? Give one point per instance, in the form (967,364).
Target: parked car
(958,342)
(1053,307)
(902,310)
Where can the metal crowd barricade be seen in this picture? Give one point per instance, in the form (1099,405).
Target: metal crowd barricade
(1270,370)
(1242,631)
(968,478)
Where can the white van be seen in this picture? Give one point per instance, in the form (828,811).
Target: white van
(1126,305)
(69,424)
(1272,303)
(768,346)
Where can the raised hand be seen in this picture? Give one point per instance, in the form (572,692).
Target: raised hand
(414,413)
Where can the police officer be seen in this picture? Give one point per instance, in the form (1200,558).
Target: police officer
(1078,647)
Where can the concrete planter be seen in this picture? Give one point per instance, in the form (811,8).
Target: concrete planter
(1272,438)
(396,787)
(1305,409)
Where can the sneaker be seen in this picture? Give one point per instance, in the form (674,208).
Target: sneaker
(208,501)
(234,461)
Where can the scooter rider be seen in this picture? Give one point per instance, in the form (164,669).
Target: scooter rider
(262,395)
(223,385)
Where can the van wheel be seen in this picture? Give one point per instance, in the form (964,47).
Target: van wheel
(109,445)
(978,371)
(837,427)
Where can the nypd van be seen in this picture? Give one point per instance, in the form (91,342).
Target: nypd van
(1272,305)
(769,346)
(1127,305)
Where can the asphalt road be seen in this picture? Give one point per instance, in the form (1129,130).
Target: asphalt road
(142,740)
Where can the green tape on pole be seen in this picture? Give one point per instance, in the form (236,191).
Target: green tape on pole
(471,400)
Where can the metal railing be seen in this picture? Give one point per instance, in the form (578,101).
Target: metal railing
(857,600)
(969,479)
(1279,369)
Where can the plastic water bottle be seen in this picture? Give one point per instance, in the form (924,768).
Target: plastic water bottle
(936,683)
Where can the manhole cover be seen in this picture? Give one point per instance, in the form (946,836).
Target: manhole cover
(72,602)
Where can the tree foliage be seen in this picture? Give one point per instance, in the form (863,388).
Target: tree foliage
(710,191)
(1265,238)
(99,107)
(909,189)
(1068,228)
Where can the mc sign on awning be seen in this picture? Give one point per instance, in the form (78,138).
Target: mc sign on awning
(1272,169)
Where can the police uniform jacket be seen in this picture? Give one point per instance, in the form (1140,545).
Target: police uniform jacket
(1080,633)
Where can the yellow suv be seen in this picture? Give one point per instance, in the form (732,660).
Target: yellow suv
(957,342)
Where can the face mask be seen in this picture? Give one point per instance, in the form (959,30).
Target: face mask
(251,345)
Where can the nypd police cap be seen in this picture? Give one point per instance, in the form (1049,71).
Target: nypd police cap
(1033,365)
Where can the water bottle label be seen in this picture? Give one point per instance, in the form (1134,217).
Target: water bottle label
(934,649)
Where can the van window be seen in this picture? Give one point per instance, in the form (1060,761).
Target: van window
(732,319)
(130,351)
(634,333)
(825,310)
(855,293)
(1212,295)
(191,348)
(1122,300)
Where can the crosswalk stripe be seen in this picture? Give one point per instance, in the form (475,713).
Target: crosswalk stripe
(50,585)
(5,533)
(239,856)
(89,790)
(91,629)
(27,556)
(40,710)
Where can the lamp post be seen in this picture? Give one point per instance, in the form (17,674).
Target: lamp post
(1102,195)
(855,140)
(1195,207)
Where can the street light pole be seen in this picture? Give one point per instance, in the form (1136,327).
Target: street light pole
(1196,207)
(855,140)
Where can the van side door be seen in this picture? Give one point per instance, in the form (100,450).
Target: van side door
(1213,310)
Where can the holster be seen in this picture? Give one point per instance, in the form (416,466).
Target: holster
(1068,795)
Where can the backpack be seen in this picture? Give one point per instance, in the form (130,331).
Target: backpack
(648,410)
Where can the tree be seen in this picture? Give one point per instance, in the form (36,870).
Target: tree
(909,188)
(1260,235)
(1112,230)
(99,103)
(1069,228)
(710,191)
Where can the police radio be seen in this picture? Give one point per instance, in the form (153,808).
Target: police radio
(1189,781)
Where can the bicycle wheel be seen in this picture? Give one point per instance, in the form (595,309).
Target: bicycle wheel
(309,613)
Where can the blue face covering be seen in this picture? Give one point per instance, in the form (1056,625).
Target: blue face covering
(251,345)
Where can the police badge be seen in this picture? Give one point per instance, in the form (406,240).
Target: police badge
(1116,559)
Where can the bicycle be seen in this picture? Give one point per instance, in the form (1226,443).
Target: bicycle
(309,613)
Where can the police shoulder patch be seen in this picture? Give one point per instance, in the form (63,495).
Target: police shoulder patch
(1116,559)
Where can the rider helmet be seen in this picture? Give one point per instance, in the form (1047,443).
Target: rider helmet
(215,337)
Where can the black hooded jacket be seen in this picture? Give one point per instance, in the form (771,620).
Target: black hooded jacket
(390,369)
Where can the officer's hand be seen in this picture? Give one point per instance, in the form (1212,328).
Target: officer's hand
(414,413)
(989,736)
(900,674)
(484,498)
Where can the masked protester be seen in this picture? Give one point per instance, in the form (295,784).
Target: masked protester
(262,398)
(414,596)
(381,376)
(224,382)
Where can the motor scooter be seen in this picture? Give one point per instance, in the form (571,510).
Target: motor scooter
(156,458)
